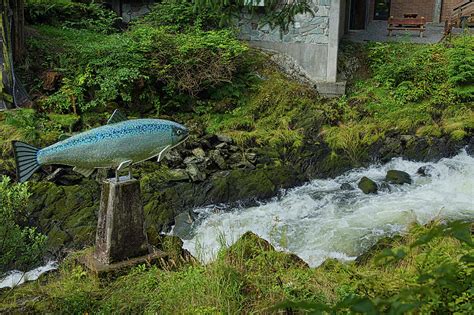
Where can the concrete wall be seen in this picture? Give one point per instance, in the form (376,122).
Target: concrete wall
(312,42)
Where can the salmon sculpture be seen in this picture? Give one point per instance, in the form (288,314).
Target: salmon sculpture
(117,145)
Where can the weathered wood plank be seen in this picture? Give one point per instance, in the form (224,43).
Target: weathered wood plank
(120,231)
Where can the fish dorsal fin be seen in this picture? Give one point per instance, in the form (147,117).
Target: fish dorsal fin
(116,117)
(83,171)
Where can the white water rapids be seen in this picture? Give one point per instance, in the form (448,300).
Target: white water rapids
(319,220)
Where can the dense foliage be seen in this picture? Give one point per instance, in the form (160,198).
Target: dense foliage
(275,13)
(425,90)
(20,245)
(147,67)
(66,13)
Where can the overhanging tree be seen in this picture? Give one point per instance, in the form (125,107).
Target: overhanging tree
(276,13)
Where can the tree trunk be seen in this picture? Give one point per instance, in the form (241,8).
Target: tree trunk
(18,29)
(12,47)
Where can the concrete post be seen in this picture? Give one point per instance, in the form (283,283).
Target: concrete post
(120,231)
(437,11)
(333,40)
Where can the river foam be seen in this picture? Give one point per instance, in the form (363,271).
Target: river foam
(319,220)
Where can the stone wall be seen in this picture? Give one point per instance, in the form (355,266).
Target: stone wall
(311,42)
(306,29)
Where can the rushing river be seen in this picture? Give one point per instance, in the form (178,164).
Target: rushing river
(319,220)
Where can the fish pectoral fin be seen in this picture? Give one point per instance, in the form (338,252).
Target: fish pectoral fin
(116,117)
(162,153)
(124,164)
(83,171)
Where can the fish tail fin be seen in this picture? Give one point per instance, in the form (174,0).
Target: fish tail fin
(26,160)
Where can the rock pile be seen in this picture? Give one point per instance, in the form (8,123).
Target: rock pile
(210,154)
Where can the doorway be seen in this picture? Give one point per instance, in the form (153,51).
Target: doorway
(358,15)
(382,10)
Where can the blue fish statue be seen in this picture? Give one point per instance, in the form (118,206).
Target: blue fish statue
(117,145)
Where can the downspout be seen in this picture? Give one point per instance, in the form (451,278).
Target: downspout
(333,40)
(437,11)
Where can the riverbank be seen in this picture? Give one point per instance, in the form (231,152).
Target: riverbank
(397,275)
(277,135)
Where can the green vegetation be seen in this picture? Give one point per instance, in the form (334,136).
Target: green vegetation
(66,13)
(274,13)
(183,62)
(428,270)
(21,246)
(425,90)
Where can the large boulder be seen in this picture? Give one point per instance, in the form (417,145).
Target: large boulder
(249,250)
(367,186)
(398,177)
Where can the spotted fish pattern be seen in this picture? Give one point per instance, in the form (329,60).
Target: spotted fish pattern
(109,146)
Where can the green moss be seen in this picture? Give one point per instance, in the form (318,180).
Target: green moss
(251,276)
(412,89)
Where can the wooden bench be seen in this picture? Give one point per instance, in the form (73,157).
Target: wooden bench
(406,24)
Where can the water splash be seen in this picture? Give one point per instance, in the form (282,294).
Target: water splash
(15,277)
(319,220)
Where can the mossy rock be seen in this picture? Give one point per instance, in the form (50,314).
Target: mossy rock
(67,214)
(383,243)
(253,252)
(398,177)
(367,186)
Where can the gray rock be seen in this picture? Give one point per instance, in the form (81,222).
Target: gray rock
(178,175)
(236,158)
(193,160)
(217,158)
(385,186)
(199,152)
(183,224)
(205,144)
(251,157)
(367,186)
(398,177)
(243,165)
(224,138)
(195,173)
(346,186)
(222,145)
(233,148)
(426,170)
(173,157)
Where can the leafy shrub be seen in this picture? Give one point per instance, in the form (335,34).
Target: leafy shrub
(20,246)
(180,15)
(92,16)
(134,67)
(461,67)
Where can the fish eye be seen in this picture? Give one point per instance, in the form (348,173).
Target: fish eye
(178,132)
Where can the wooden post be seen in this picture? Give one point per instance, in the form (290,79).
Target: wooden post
(120,230)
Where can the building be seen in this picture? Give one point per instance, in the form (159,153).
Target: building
(309,49)
(362,12)
(311,44)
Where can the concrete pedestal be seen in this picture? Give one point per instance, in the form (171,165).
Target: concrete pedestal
(120,231)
